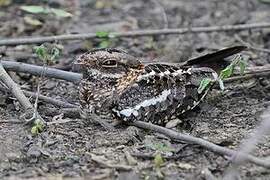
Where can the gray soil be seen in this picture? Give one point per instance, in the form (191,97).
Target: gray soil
(73,148)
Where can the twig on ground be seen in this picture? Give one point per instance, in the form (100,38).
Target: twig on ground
(247,76)
(37,70)
(195,140)
(152,156)
(45,99)
(16,91)
(249,145)
(39,40)
(238,38)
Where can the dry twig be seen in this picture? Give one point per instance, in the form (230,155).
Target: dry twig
(39,40)
(16,91)
(37,70)
(195,140)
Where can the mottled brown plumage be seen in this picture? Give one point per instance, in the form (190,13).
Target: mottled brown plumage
(118,85)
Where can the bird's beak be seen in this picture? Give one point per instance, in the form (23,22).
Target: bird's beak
(77,65)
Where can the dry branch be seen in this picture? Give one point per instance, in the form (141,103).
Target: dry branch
(39,40)
(16,91)
(37,70)
(195,140)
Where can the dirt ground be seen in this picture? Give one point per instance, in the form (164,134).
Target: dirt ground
(72,147)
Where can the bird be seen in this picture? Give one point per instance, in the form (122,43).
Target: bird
(118,85)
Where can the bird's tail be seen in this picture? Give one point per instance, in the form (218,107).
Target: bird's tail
(215,56)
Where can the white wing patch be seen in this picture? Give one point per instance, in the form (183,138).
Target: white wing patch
(135,110)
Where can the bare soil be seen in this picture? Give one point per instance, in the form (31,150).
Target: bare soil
(66,149)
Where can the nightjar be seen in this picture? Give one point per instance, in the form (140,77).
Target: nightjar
(116,84)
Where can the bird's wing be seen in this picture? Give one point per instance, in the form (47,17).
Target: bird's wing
(158,92)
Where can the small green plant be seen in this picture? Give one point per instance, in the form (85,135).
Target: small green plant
(105,37)
(160,148)
(46,10)
(38,127)
(158,160)
(48,55)
(238,61)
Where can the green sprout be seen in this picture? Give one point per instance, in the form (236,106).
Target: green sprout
(47,55)
(38,127)
(158,160)
(237,61)
(105,38)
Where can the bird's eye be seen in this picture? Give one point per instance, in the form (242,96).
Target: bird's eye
(109,63)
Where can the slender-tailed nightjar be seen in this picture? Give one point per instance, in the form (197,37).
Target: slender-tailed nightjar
(118,85)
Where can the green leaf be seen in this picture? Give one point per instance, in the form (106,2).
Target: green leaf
(227,72)
(242,65)
(34,9)
(204,84)
(104,44)
(60,12)
(34,130)
(42,52)
(158,160)
(38,127)
(55,53)
(39,124)
(102,34)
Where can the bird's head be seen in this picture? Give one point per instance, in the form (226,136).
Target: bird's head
(110,63)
